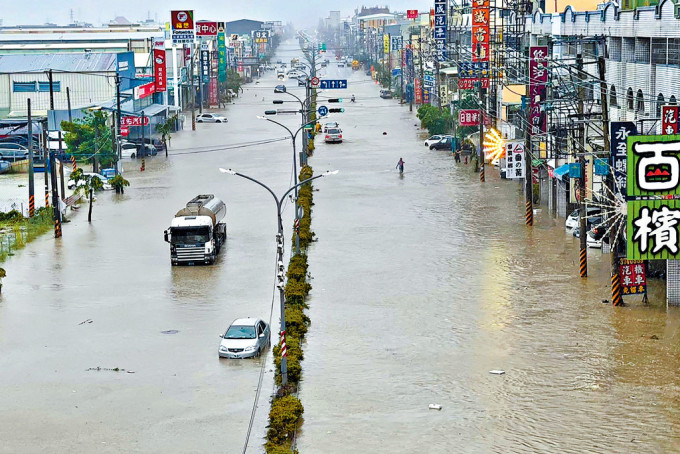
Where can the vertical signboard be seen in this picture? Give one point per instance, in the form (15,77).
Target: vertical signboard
(182,23)
(212,92)
(480,30)
(221,52)
(669,120)
(538,79)
(419,91)
(633,277)
(160,69)
(205,65)
(439,30)
(386,44)
(619,132)
(514,160)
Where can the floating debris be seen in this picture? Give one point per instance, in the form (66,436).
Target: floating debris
(89,320)
(434,407)
(170,331)
(497,372)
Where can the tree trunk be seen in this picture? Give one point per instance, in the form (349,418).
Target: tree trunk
(89,213)
(165,143)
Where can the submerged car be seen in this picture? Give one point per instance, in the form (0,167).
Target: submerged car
(333,135)
(445,143)
(573,219)
(434,139)
(245,338)
(210,118)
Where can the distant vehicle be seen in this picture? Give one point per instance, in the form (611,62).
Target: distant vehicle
(280,89)
(596,236)
(301,82)
(385,94)
(573,219)
(13,151)
(278,62)
(292,74)
(434,139)
(341,64)
(153,142)
(245,338)
(210,118)
(446,143)
(105,181)
(330,125)
(594,221)
(5,166)
(196,233)
(355,65)
(324,64)
(333,135)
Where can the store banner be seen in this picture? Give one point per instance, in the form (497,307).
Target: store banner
(480,30)
(386,43)
(633,276)
(182,23)
(538,79)
(515,165)
(440,29)
(419,91)
(221,53)
(205,65)
(212,92)
(160,68)
(669,120)
(618,133)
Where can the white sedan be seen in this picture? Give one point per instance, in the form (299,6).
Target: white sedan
(210,118)
(245,338)
(435,139)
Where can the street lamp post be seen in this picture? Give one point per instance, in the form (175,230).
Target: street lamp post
(279,257)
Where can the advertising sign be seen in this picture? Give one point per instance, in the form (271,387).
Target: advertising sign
(419,91)
(142,91)
(212,92)
(221,53)
(426,95)
(386,44)
(538,78)
(205,65)
(480,30)
(468,117)
(633,277)
(412,14)
(470,84)
(439,30)
(669,120)
(182,23)
(515,165)
(206,28)
(128,121)
(428,79)
(261,36)
(395,42)
(653,171)
(159,66)
(619,132)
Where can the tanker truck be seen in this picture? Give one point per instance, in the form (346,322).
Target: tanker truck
(196,233)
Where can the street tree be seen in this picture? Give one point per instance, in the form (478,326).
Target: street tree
(165,129)
(90,138)
(86,184)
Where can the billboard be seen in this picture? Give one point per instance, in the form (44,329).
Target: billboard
(160,68)
(412,14)
(205,65)
(538,79)
(206,28)
(182,24)
(480,30)
(618,134)
(439,30)
(125,65)
(669,120)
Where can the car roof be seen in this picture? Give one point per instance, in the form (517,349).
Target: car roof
(245,321)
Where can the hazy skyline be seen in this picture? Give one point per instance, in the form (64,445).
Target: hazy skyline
(299,12)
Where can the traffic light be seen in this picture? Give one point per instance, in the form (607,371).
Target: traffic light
(323,47)
(336,110)
(335,100)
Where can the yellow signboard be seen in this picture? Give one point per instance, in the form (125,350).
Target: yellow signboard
(386,43)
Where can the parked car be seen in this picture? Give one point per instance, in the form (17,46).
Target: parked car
(594,221)
(128,150)
(210,118)
(573,219)
(280,89)
(596,236)
(333,135)
(245,338)
(341,65)
(445,143)
(105,182)
(13,151)
(150,146)
(301,82)
(434,139)
(385,94)
(330,125)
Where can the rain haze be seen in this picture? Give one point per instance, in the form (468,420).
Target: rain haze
(300,13)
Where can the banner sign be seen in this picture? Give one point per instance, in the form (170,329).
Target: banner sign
(669,120)
(426,95)
(480,30)
(182,23)
(473,69)
(469,84)
(128,121)
(386,44)
(412,14)
(439,30)
(206,28)
(160,68)
(419,91)
(468,117)
(633,277)
(653,197)
(221,53)
(538,79)
(142,91)
(428,79)
(212,92)
(205,65)
(395,42)
(261,36)
(514,160)
(618,133)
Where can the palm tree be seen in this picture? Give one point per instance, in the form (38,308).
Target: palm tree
(88,186)
(164,129)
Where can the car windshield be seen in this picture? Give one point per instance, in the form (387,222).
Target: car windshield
(240,332)
(190,235)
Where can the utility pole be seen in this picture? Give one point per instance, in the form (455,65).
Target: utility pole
(583,215)
(528,176)
(31,187)
(53,173)
(117,135)
(193,92)
(413,93)
(68,104)
(199,51)
(482,110)
(46,161)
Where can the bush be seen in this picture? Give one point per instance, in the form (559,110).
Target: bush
(11,216)
(284,418)
(296,322)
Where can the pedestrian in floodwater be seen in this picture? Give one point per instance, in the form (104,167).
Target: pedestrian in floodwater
(400,165)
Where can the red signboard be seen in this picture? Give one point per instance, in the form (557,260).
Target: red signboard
(480,30)
(212,92)
(182,20)
(124,132)
(159,70)
(469,84)
(669,120)
(206,28)
(145,90)
(412,14)
(419,91)
(633,277)
(133,121)
(538,79)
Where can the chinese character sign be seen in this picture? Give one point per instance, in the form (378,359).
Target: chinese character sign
(159,66)
(669,120)
(538,79)
(469,73)
(419,91)
(386,44)
(182,23)
(619,132)
(480,30)
(439,29)
(468,117)
(653,166)
(221,53)
(206,28)
(205,65)
(412,14)
(633,277)
(514,160)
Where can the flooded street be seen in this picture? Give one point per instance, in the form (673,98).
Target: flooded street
(422,284)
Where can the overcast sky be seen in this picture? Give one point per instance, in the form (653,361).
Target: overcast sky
(300,12)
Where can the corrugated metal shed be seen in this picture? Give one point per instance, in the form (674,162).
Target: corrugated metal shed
(88,62)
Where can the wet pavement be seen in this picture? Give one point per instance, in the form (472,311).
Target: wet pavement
(422,285)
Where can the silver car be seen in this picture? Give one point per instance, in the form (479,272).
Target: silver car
(245,338)
(13,151)
(210,118)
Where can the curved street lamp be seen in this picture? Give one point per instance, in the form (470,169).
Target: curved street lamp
(279,252)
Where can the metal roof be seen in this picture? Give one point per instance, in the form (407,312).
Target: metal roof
(87,62)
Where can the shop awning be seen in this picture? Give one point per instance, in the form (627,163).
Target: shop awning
(561,171)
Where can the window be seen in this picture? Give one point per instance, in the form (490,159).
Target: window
(629,98)
(615,49)
(642,50)
(612,97)
(45,86)
(674,51)
(628,50)
(23,87)
(640,102)
(672,101)
(659,51)
(659,103)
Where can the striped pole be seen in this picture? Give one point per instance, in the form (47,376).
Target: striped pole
(482,178)
(529,213)
(47,195)
(617,299)
(284,353)
(583,263)
(143,165)
(73,163)
(57,228)
(31,206)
